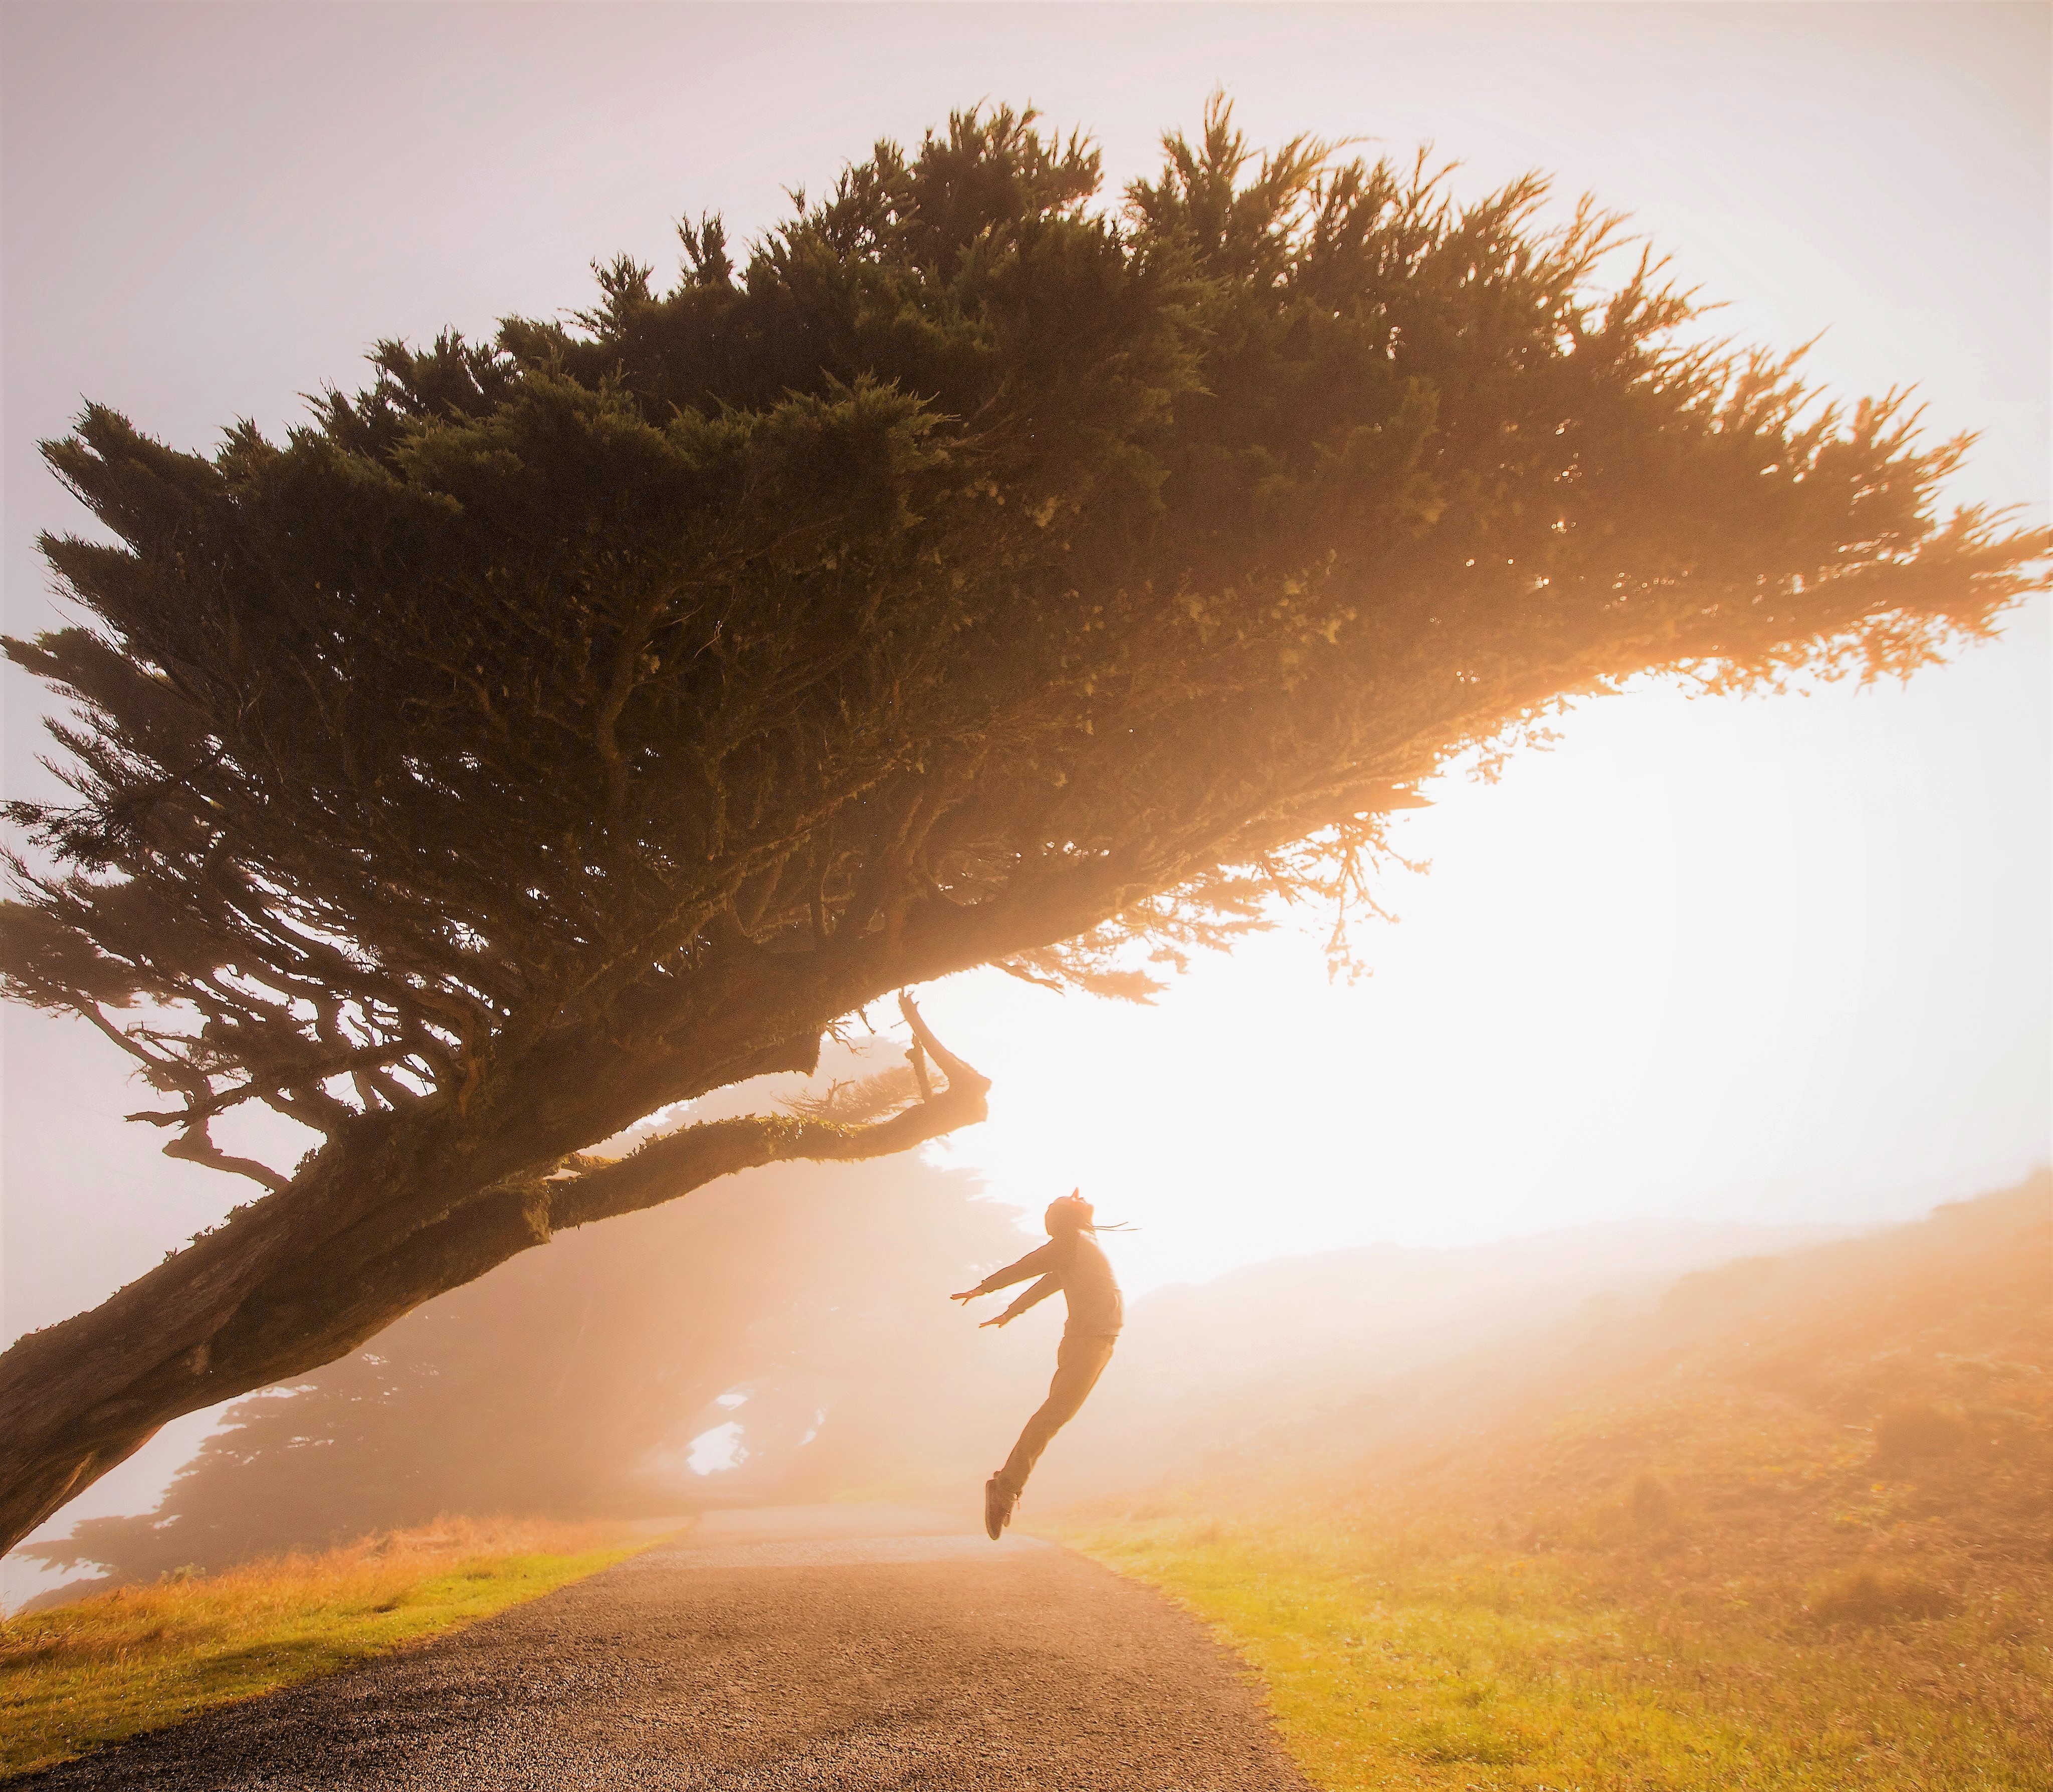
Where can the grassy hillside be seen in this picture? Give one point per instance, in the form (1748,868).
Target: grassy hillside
(1793,1528)
(139,1658)
(1285,1348)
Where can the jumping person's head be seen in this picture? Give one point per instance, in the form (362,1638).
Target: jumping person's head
(1071,1214)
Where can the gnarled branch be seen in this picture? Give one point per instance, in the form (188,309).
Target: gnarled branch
(678,1161)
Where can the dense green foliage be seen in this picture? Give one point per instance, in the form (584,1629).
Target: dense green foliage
(970,535)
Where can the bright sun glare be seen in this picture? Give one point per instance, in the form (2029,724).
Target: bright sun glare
(1771,960)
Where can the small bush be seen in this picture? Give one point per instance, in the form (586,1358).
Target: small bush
(1464,1741)
(1868,1595)
(1652,1503)
(1917,1432)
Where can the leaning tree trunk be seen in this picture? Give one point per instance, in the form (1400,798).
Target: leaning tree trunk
(400,1206)
(382,1219)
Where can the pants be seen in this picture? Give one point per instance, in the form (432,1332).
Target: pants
(1079,1361)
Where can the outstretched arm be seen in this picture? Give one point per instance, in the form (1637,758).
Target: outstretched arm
(1034,1263)
(1040,1291)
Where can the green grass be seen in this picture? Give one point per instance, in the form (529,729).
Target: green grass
(1408,1659)
(139,1658)
(1786,1530)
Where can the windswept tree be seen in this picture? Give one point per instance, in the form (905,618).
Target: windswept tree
(561,730)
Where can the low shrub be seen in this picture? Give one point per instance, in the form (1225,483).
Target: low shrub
(1868,1594)
(1918,1431)
(1653,1504)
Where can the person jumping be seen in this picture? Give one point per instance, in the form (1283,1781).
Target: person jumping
(1071,1261)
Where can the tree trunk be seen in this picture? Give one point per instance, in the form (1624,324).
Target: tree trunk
(381,1220)
(400,1206)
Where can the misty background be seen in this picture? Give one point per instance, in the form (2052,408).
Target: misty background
(1763,964)
(790,1341)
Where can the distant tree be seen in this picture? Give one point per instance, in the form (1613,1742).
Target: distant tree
(561,730)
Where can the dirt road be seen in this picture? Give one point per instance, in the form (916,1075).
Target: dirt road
(815,1647)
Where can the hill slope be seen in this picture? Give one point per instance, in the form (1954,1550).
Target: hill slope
(1792,1528)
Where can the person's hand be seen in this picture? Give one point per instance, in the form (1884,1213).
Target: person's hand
(967,1294)
(999,1321)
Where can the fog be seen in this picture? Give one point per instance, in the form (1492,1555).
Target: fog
(789,1338)
(1778,963)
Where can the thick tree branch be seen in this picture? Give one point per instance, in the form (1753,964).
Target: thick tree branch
(667,1166)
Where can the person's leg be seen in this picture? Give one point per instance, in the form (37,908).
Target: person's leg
(1079,1361)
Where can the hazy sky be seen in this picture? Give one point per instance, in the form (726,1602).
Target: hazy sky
(1783,959)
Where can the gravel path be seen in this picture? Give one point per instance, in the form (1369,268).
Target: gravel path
(815,1647)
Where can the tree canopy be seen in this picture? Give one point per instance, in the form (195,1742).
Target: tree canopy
(561,728)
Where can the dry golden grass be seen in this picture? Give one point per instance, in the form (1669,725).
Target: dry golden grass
(1790,1534)
(138,1658)
(1401,1654)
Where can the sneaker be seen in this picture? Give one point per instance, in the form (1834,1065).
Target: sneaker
(998,1503)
